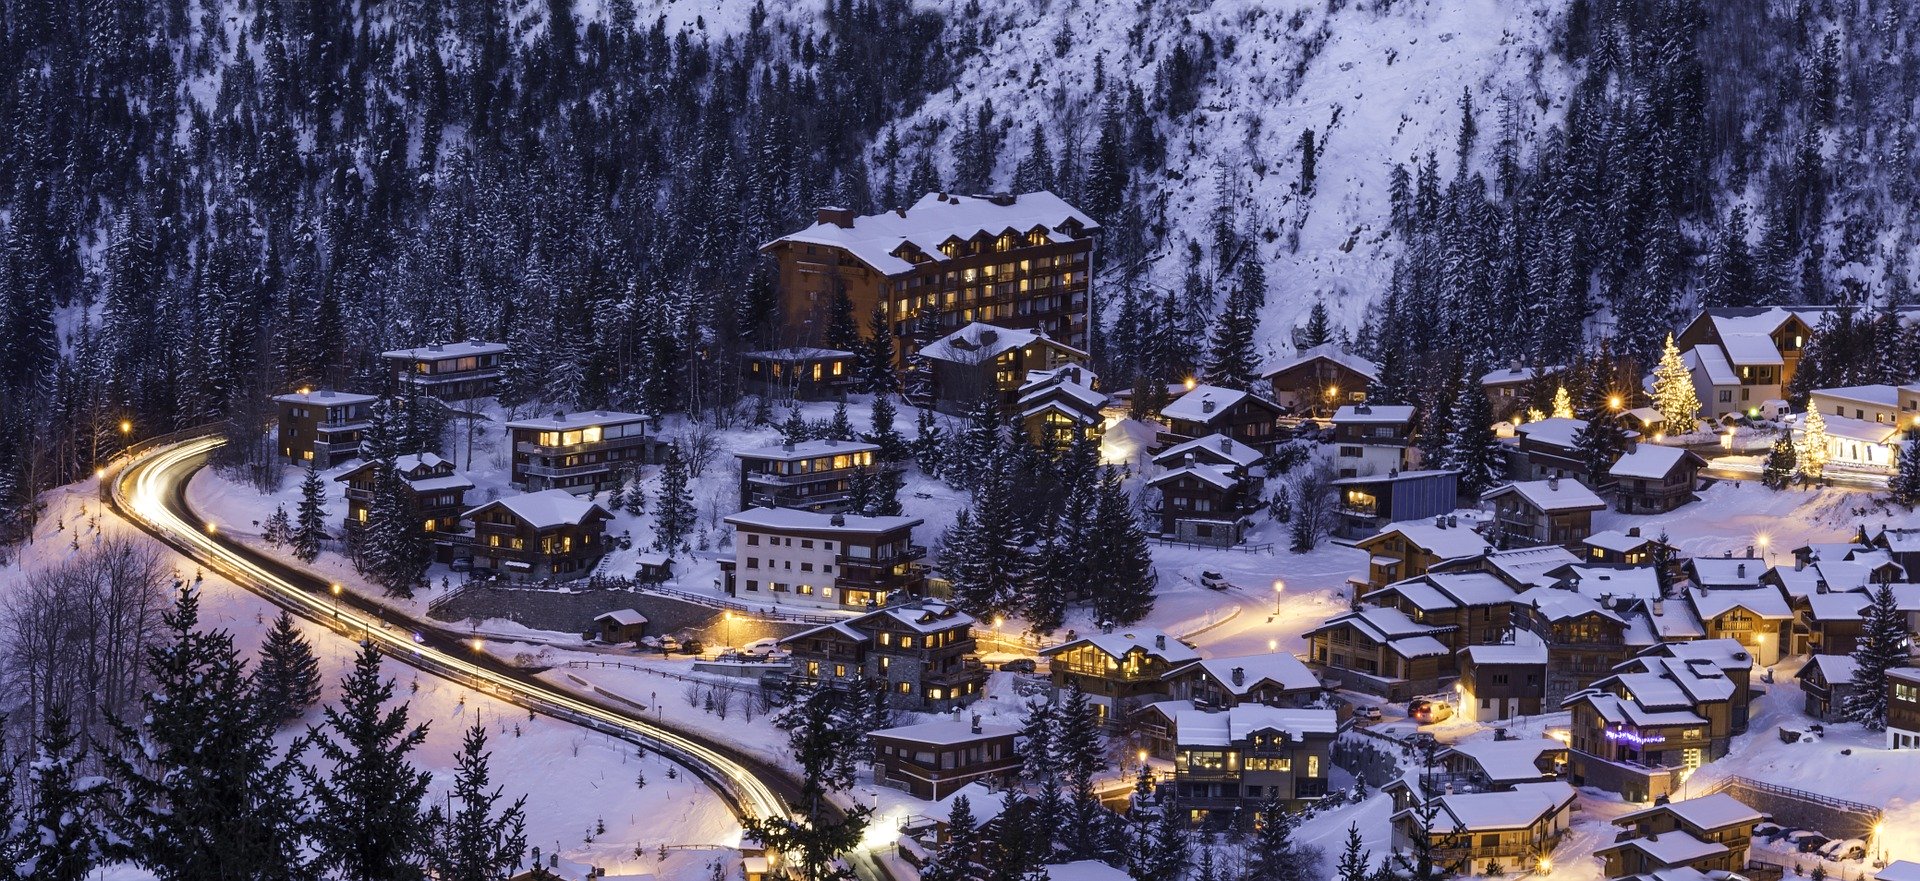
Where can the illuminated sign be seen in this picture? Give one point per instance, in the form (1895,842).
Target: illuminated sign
(1634,737)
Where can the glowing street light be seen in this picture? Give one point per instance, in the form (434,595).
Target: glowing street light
(1190,383)
(212,529)
(1279,587)
(334,588)
(1273,645)
(1613,402)
(1545,866)
(728,615)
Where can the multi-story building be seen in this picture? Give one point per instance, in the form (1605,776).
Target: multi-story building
(1643,729)
(1707,834)
(1512,390)
(1276,679)
(1584,639)
(984,362)
(1020,261)
(1826,681)
(934,759)
(1549,448)
(579,452)
(1649,479)
(1503,764)
(1615,548)
(1205,503)
(1217,450)
(1367,504)
(1505,681)
(846,561)
(1759,618)
(1118,671)
(1544,512)
(449,371)
(1374,439)
(1903,708)
(1383,651)
(1060,406)
(1408,548)
(815,475)
(1321,379)
(1478,605)
(1210,409)
(435,492)
(1744,357)
(322,427)
(1236,760)
(798,373)
(547,534)
(921,652)
(1489,833)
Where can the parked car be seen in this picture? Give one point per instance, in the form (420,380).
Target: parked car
(692,647)
(1844,849)
(1768,831)
(1806,840)
(668,644)
(1428,712)
(1213,581)
(1421,740)
(1018,665)
(761,648)
(1367,713)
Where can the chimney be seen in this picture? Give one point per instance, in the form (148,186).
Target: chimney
(1206,406)
(786,446)
(1452,521)
(1749,552)
(1239,675)
(900,212)
(1002,199)
(1363,407)
(559,416)
(1553,484)
(1160,640)
(835,215)
(1439,521)
(1393,472)
(837,520)
(433,347)
(1226,444)
(1189,460)
(1659,606)
(833,441)
(1633,532)
(1799,563)
(989,336)
(1741,570)
(976,723)
(1820,586)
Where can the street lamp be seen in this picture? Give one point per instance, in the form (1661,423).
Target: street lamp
(1273,645)
(729,618)
(1545,866)
(477,647)
(1613,402)
(335,588)
(1190,383)
(1279,586)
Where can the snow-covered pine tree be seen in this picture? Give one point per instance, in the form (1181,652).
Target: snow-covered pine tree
(1353,859)
(1814,447)
(929,445)
(673,511)
(823,744)
(1882,646)
(843,329)
(393,548)
(973,453)
(1782,461)
(840,427)
(1904,487)
(1120,565)
(62,831)
(474,842)
(1274,856)
(981,555)
(1673,392)
(287,680)
(1562,403)
(1599,442)
(15,835)
(1160,849)
(893,446)
(279,527)
(1472,447)
(795,430)
(310,528)
(1318,330)
(876,356)
(368,797)
(956,860)
(1231,361)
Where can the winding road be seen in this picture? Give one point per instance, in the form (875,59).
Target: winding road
(150,491)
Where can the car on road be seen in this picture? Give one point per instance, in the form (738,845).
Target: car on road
(1018,665)
(1429,712)
(1367,713)
(1844,849)
(1212,580)
(761,648)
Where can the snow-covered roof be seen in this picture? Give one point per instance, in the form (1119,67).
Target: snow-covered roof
(1552,495)
(1751,350)
(1526,648)
(1525,805)
(1450,543)
(1083,870)
(1471,588)
(1844,606)
(924,615)
(1899,870)
(1726,571)
(1675,847)
(1672,622)
(1613,709)
(797,353)
(546,509)
(979,342)
(1726,653)
(1512,375)
(1835,668)
(815,521)
(652,558)
(1872,395)
(1373,414)
(1281,669)
(1393,477)
(622,617)
(446,350)
(1627,582)
(1853,429)
(1045,385)
(1616,541)
(1507,761)
(1214,445)
(932,221)
(945,732)
(1713,360)
(1650,461)
(1151,640)
(1764,602)
(1708,812)
(1084,414)
(983,803)
(1331,352)
(1556,431)
(1202,728)
(1203,471)
(325,398)
(1192,406)
(582,419)
(1531,566)
(1647,415)
(825,446)
(1557,604)
(1381,624)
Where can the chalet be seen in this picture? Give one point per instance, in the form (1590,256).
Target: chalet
(1615,548)
(1550,448)
(1366,504)
(546,534)
(1490,833)
(449,371)
(322,427)
(982,362)
(1605,583)
(1518,568)
(1899,870)
(1217,450)
(1645,421)
(1374,439)
(1274,679)
(1640,731)
(1706,834)
(1854,443)
(1583,638)
(1895,405)
(1513,390)
(1649,479)
(1730,657)
(798,373)
(1021,261)
(847,561)
(1901,544)
(1118,670)
(815,475)
(1903,708)
(579,452)
(1235,760)
(1504,681)
(1758,618)
(1155,725)
(1744,357)
(652,567)
(1478,605)
(1409,548)
(1057,407)
(1204,504)
(1502,765)
(1543,512)
(1321,379)
(934,759)
(618,626)
(1833,620)
(1725,573)
(435,493)
(1383,651)
(1827,682)
(1210,409)
(921,652)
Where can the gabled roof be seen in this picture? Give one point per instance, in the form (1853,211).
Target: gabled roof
(1675,621)
(1450,543)
(1328,352)
(1551,495)
(1652,461)
(1620,582)
(438,351)
(1750,350)
(1373,414)
(1843,606)
(1558,604)
(1211,474)
(1279,669)
(1151,640)
(921,615)
(1707,813)
(1530,567)
(1525,805)
(979,342)
(983,803)
(546,509)
(1192,406)
(1672,848)
(1617,541)
(1506,762)
(1713,361)
(1835,669)
(622,617)
(1764,602)
(1201,728)
(1556,431)
(1525,649)
(1050,385)
(1216,446)
(944,732)
(1717,572)
(1619,710)
(931,221)
(1391,628)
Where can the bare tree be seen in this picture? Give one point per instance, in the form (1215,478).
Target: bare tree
(77,634)
(699,444)
(1313,505)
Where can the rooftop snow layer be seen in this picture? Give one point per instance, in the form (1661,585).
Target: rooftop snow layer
(1450,543)
(1281,669)
(546,509)
(945,732)
(1192,406)
(1116,645)
(806,450)
(1375,414)
(583,419)
(931,222)
(1648,461)
(1507,761)
(446,350)
(1331,352)
(1552,495)
(814,521)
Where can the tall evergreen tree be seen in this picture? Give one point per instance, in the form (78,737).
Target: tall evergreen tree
(1814,446)
(824,744)
(1472,447)
(673,511)
(1119,563)
(1904,487)
(393,547)
(893,446)
(1231,361)
(310,525)
(1882,646)
(61,832)
(1781,463)
(1274,856)
(1600,442)
(1354,859)
(368,799)
(475,842)
(287,681)
(1673,393)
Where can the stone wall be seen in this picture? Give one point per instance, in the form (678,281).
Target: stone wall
(573,612)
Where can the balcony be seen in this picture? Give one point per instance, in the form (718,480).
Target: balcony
(969,669)
(565,471)
(618,443)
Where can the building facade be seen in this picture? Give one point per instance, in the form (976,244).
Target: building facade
(322,427)
(579,452)
(920,652)
(1118,671)
(435,492)
(449,371)
(844,561)
(932,760)
(815,475)
(550,534)
(1228,764)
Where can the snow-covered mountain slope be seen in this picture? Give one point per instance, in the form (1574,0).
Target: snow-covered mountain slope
(1377,81)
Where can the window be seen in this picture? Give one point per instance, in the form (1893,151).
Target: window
(840,670)
(753,539)
(753,562)
(1726,396)
(753,586)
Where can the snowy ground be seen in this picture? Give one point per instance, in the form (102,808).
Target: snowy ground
(573,779)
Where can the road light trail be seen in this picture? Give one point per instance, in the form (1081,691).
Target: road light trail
(141,492)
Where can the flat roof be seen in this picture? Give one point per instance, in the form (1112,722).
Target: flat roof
(325,398)
(583,419)
(436,351)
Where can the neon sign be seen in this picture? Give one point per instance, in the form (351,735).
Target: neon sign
(1634,737)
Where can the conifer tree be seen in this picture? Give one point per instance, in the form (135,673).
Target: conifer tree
(893,446)
(1562,403)
(1673,392)
(368,799)
(1231,362)
(981,555)
(824,743)
(795,430)
(15,835)
(1160,854)
(1904,487)
(673,511)
(392,547)
(310,529)
(287,681)
(279,527)
(1813,452)
(1782,461)
(1472,448)
(929,444)
(840,427)
(1318,330)
(843,329)
(876,356)
(1120,565)
(474,842)
(1882,646)
(1274,857)
(1600,442)
(62,837)
(955,860)
(1354,859)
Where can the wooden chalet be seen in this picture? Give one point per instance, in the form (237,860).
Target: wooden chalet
(1649,479)
(984,362)
(1512,390)
(1706,834)
(322,427)
(1489,833)
(1120,670)
(1056,407)
(1503,681)
(1274,679)
(1236,760)
(1409,548)
(1826,681)
(1204,504)
(1210,409)
(798,373)
(932,760)
(580,452)
(1383,651)
(449,371)
(815,475)
(435,492)
(1321,379)
(551,534)
(618,626)
(1544,512)
(921,652)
